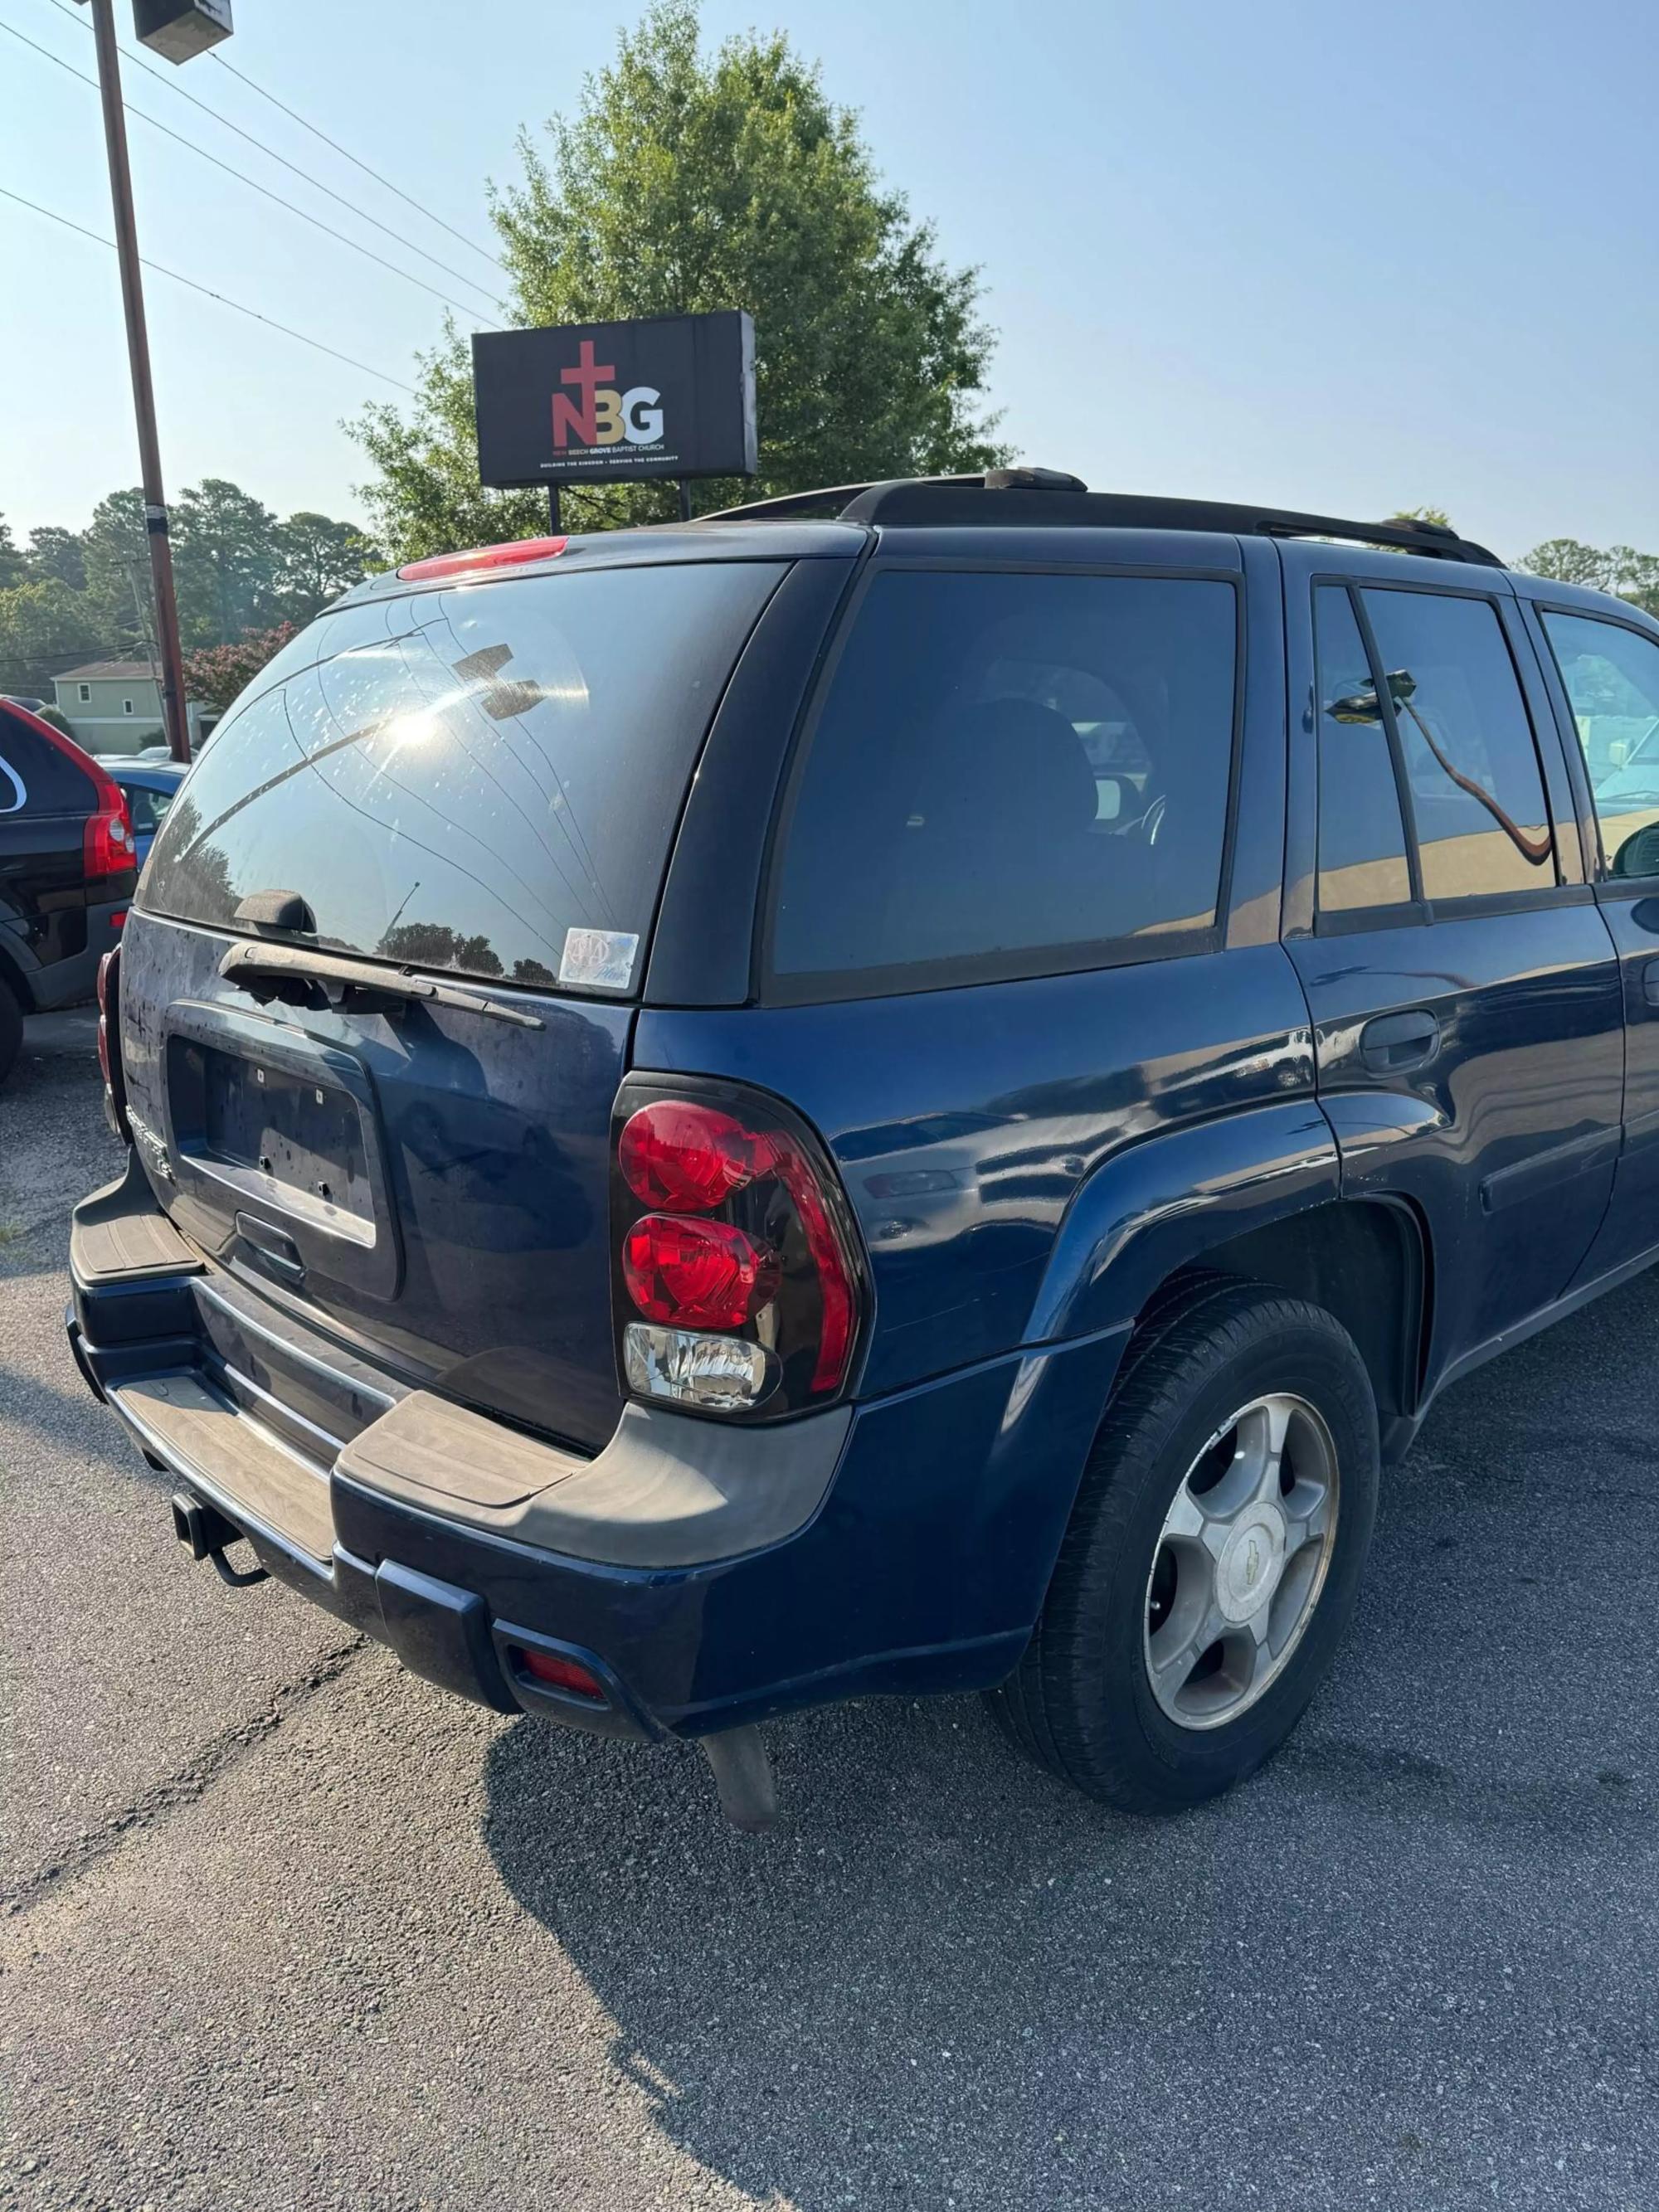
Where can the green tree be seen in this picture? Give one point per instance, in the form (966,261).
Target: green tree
(317,559)
(60,553)
(225,560)
(687,182)
(1618,569)
(43,630)
(12,570)
(115,552)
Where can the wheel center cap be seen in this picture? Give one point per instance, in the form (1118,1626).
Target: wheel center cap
(1251,1561)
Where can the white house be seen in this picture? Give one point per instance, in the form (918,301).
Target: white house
(115,707)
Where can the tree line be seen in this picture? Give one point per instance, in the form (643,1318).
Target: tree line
(68,596)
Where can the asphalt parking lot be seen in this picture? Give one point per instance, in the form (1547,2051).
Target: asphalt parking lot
(285,1928)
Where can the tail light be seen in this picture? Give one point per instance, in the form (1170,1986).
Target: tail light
(109,1044)
(739,1289)
(107,845)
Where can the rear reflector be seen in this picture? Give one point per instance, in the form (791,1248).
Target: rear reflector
(559,1673)
(482,558)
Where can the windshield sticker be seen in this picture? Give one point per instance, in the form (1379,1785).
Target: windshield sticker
(603,958)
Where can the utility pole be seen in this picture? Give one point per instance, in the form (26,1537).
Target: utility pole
(143,395)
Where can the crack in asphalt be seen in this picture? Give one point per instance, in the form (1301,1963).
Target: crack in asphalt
(186,1786)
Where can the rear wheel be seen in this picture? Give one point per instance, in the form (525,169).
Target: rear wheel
(11,1029)
(1212,1558)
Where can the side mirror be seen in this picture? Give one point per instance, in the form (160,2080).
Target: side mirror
(1639,855)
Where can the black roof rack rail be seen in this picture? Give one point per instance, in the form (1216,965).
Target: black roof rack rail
(1048,499)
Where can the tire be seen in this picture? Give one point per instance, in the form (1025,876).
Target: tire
(1083,1700)
(11,1029)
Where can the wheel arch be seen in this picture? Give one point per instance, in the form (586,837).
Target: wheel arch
(1366,1261)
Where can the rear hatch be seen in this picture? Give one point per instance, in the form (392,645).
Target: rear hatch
(376,995)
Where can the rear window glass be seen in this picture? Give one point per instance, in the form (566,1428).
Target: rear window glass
(1012,766)
(38,777)
(467,778)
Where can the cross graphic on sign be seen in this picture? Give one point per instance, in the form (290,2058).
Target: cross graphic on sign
(587,375)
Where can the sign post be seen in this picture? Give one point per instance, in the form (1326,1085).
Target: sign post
(177,28)
(614,403)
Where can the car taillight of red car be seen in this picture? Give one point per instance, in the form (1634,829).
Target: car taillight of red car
(739,1289)
(109,846)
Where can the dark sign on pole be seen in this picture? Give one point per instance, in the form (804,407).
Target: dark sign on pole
(181,28)
(603,403)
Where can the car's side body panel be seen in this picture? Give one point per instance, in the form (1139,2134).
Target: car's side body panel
(966,1123)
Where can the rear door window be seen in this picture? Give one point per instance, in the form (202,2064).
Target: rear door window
(1362,840)
(1472,769)
(1612,676)
(1009,773)
(485,779)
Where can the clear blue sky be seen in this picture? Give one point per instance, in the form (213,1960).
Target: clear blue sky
(1342,257)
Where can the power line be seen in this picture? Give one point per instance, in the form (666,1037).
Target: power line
(161,269)
(386,182)
(305,175)
(252,183)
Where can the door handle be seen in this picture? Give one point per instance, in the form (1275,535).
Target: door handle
(1650,982)
(1394,1043)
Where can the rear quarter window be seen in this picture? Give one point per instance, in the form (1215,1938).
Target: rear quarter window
(461,779)
(1011,774)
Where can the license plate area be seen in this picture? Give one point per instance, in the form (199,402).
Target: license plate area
(270,1124)
(301,1141)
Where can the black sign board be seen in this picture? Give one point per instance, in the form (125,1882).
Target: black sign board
(600,403)
(181,28)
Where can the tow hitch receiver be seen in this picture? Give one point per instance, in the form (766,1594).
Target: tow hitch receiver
(205,1531)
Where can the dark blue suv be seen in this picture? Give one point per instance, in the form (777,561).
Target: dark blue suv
(912,1089)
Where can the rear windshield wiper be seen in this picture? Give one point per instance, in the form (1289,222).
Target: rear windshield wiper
(296,965)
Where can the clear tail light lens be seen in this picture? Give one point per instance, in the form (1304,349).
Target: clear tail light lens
(738,1282)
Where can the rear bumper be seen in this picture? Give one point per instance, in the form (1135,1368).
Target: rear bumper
(902,1546)
(69,983)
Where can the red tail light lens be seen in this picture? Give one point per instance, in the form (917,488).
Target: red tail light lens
(731,1220)
(697,1274)
(688,1158)
(107,845)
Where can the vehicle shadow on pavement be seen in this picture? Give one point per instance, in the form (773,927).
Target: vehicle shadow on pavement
(944,1964)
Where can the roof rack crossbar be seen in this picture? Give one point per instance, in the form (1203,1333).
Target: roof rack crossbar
(953,500)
